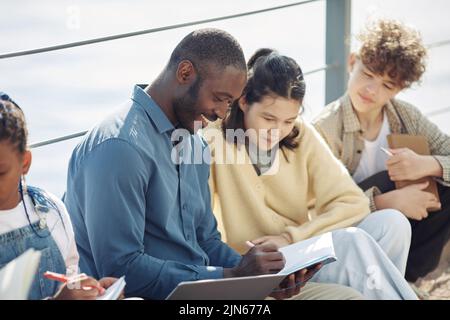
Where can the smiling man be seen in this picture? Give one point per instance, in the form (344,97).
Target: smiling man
(137,213)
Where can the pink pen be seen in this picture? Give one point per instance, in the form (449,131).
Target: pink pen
(64,279)
(249,244)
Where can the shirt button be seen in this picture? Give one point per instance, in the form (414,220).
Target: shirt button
(184,207)
(358,151)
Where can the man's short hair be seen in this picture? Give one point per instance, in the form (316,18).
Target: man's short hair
(390,47)
(211,46)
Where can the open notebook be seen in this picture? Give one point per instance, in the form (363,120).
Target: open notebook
(308,253)
(17,276)
(300,255)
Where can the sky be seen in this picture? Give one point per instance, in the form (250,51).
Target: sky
(68,91)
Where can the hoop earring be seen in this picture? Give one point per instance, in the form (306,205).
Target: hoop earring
(23,185)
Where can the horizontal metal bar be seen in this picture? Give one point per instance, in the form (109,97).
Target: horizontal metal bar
(147,31)
(438,112)
(328,67)
(60,139)
(438,44)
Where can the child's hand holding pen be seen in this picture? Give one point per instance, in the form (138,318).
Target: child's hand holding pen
(78,287)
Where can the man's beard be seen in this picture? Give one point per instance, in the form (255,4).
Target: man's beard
(186,109)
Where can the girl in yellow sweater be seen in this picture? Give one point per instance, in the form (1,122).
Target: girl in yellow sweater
(273,179)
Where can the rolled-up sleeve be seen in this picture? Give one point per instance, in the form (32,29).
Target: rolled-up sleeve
(439,142)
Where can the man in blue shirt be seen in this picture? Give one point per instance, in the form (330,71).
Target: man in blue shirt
(137,213)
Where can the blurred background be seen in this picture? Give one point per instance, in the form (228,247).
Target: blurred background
(68,91)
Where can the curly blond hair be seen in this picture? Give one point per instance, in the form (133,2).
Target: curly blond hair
(390,47)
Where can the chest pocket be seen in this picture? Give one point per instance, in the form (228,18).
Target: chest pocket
(21,240)
(43,287)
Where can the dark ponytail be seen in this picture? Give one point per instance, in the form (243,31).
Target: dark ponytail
(263,52)
(269,73)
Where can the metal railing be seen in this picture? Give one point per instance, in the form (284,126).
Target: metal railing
(438,112)
(338,23)
(59,139)
(148,31)
(325,68)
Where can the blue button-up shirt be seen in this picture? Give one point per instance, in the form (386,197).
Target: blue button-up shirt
(135,212)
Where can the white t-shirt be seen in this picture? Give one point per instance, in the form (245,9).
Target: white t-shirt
(373,160)
(64,237)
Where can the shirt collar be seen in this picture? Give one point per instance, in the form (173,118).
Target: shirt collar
(394,120)
(153,110)
(351,121)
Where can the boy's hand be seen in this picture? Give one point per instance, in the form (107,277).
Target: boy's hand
(411,200)
(405,164)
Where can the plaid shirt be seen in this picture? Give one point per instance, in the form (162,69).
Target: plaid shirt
(340,127)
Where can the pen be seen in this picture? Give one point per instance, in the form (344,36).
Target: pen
(63,278)
(249,244)
(386,151)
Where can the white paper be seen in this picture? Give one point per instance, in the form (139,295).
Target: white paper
(114,291)
(17,276)
(308,252)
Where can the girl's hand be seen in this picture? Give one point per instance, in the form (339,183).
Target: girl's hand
(86,289)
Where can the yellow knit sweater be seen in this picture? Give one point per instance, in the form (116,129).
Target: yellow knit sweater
(309,195)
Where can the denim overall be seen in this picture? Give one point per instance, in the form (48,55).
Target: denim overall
(37,236)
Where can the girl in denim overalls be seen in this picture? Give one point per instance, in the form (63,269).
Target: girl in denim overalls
(33,218)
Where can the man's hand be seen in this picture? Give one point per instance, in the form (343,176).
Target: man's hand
(260,259)
(293,283)
(405,164)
